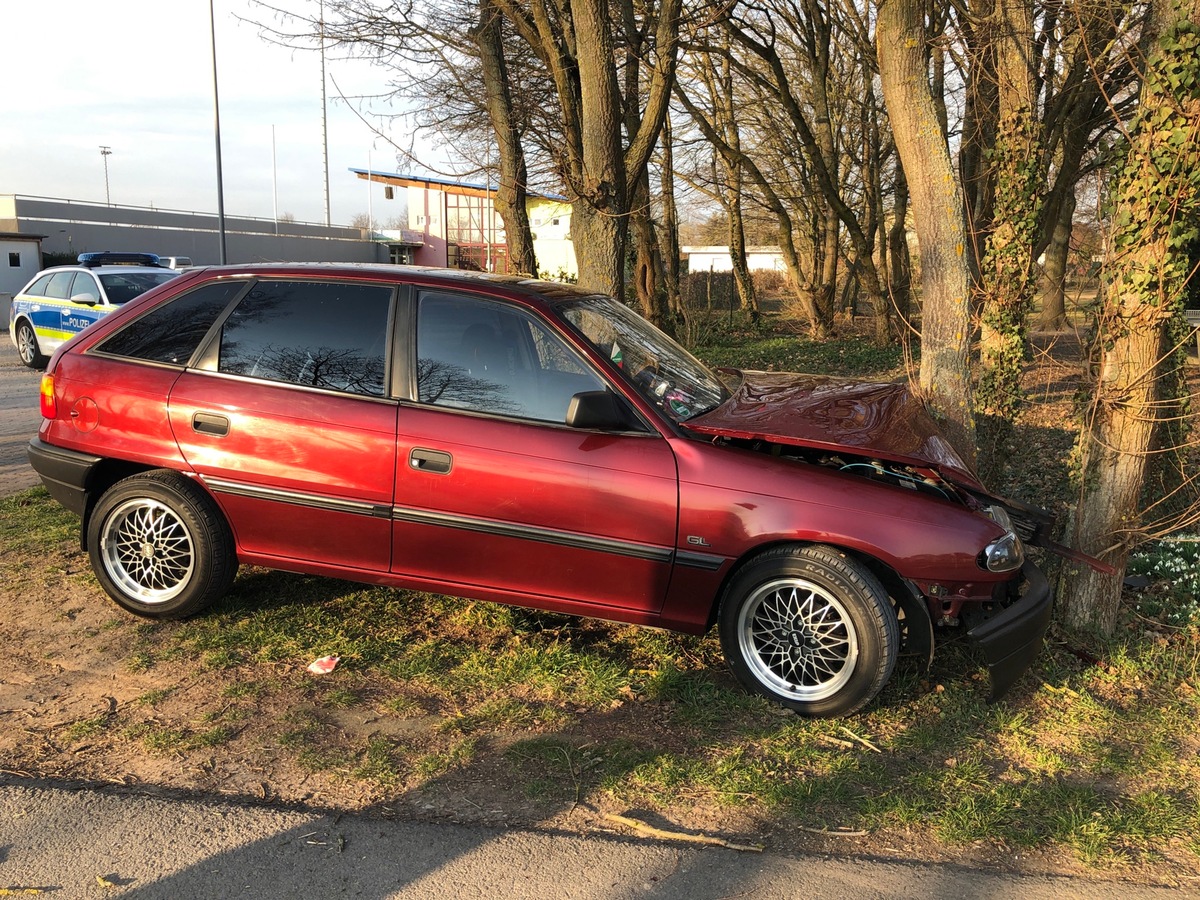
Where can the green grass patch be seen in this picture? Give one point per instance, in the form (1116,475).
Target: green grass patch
(852,356)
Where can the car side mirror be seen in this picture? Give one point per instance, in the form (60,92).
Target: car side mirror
(602,410)
(85,297)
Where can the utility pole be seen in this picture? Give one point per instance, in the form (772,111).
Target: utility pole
(325,115)
(222,255)
(105,153)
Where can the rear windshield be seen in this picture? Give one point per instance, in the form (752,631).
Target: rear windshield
(121,287)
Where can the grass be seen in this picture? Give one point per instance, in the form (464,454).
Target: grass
(1097,760)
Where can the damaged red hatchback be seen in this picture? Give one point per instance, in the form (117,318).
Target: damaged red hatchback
(533,444)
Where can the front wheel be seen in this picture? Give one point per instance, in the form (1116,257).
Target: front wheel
(811,628)
(160,547)
(27,346)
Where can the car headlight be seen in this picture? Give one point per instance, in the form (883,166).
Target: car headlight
(1007,553)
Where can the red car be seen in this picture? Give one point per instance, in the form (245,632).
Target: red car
(533,444)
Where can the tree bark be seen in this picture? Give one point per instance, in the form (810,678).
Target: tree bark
(510,197)
(937,203)
(1054,270)
(1154,236)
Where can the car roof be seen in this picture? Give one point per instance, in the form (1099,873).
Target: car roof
(102,270)
(516,284)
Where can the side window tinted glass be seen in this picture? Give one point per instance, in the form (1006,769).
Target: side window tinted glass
(38,288)
(312,333)
(170,333)
(488,357)
(60,285)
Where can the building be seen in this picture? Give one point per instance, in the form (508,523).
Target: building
(20,260)
(455,225)
(719,259)
(71,227)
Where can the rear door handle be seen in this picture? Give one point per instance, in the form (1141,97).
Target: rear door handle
(430,461)
(210,423)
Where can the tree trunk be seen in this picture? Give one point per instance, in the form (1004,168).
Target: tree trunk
(510,197)
(1054,270)
(1156,220)
(599,241)
(743,283)
(937,202)
(668,234)
(899,262)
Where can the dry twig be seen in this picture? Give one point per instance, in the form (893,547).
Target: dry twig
(651,831)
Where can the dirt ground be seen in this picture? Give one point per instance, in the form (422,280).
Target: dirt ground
(73,705)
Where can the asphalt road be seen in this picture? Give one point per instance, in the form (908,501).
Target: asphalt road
(73,841)
(19,418)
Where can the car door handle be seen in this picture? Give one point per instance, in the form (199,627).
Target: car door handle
(210,423)
(430,461)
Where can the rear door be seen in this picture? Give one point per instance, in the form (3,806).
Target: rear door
(494,490)
(287,421)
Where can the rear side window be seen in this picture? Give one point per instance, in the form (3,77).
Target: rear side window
(170,333)
(318,334)
(38,288)
(59,287)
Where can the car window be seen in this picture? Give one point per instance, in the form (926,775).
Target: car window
(320,334)
(170,333)
(85,289)
(121,287)
(38,288)
(489,357)
(59,287)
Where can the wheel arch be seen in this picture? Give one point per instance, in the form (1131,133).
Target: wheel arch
(901,591)
(107,473)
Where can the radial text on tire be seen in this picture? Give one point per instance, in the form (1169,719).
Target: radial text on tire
(809,627)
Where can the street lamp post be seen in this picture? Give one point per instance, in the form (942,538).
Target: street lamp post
(221,251)
(105,153)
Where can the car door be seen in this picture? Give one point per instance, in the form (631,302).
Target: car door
(84,304)
(288,423)
(494,491)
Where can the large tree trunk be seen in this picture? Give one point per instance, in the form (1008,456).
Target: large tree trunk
(937,202)
(510,197)
(599,241)
(1156,220)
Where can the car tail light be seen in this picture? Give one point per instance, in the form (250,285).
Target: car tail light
(49,408)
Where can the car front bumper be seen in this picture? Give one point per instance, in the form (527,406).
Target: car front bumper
(1013,637)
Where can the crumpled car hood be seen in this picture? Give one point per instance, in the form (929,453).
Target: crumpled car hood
(878,420)
(874,419)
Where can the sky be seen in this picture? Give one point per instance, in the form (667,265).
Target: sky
(136,76)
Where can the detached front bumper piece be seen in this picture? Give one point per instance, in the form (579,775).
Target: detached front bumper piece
(1012,638)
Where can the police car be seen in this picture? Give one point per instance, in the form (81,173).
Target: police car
(62,301)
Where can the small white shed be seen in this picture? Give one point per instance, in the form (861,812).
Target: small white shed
(20,260)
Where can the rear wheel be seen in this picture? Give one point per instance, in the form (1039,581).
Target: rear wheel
(811,628)
(27,345)
(160,547)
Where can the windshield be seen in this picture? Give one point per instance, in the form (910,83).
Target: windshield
(121,287)
(665,374)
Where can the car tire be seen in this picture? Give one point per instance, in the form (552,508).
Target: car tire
(811,628)
(27,345)
(160,546)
